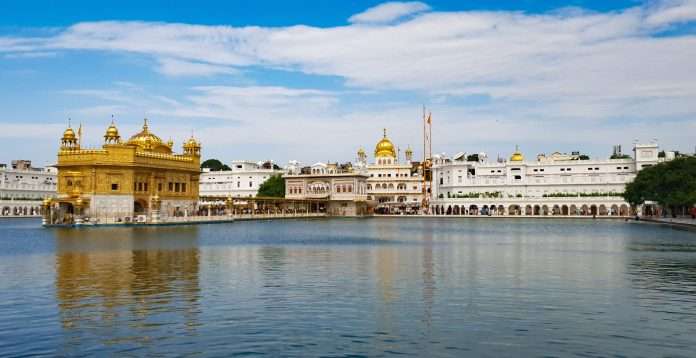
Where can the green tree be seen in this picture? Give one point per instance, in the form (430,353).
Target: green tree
(472,157)
(584,157)
(671,184)
(273,187)
(214,165)
(620,156)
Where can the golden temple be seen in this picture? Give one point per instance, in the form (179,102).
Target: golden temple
(139,179)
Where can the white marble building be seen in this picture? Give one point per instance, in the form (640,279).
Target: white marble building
(394,187)
(558,184)
(242,181)
(339,190)
(22,188)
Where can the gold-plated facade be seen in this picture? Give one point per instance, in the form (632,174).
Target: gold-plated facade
(122,180)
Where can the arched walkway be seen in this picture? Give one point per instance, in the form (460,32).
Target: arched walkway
(573,210)
(614,211)
(603,210)
(556,210)
(624,210)
(514,210)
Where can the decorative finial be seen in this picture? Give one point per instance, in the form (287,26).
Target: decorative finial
(112,119)
(385,133)
(517,147)
(145,127)
(69,124)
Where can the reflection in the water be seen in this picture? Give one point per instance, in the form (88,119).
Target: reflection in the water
(422,287)
(112,280)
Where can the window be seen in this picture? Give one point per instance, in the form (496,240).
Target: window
(239,184)
(145,186)
(183,187)
(114,186)
(518,177)
(171,186)
(177,187)
(250,184)
(562,169)
(625,167)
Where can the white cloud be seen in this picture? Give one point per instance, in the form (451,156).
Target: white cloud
(583,76)
(672,11)
(388,12)
(173,67)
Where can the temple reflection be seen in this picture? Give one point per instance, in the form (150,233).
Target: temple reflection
(109,278)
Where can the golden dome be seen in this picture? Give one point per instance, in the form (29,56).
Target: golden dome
(192,143)
(517,156)
(145,140)
(192,147)
(112,133)
(69,134)
(385,148)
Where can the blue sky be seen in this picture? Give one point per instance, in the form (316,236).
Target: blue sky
(315,80)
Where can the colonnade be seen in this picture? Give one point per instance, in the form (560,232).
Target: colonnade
(19,208)
(532,209)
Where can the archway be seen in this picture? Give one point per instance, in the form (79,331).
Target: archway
(449,210)
(501,210)
(585,210)
(556,210)
(544,210)
(456,210)
(514,210)
(593,210)
(573,210)
(603,210)
(537,210)
(614,211)
(473,210)
(564,210)
(139,207)
(528,210)
(624,210)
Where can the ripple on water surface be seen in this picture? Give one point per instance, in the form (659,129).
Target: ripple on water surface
(349,288)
